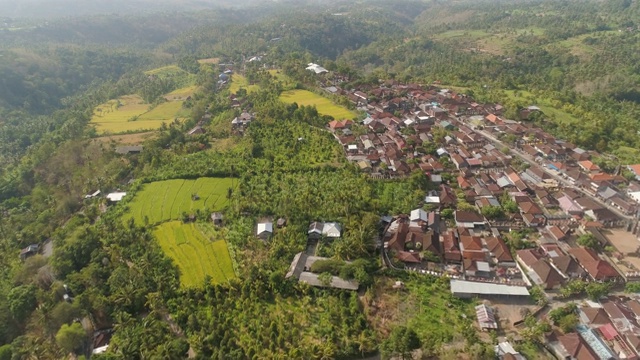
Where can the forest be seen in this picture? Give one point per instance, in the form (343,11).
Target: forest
(577,60)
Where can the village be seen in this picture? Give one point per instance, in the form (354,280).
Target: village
(511,209)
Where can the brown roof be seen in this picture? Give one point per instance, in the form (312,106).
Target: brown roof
(499,249)
(530,208)
(408,257)
(451,250)
(470,243)
(596,267)
(468,216)
(634,305)
(557,233)
(577,347)
(549,276)
(596,316)
(566,264)
(529,256)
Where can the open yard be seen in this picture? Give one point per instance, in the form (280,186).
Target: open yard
(167,200)
(544,104)
(195,255)
(324,105)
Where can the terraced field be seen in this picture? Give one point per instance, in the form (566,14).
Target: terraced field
(167,200)
(324,105)
(131,114)
(195,255)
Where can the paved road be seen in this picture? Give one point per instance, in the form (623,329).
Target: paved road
(560,180)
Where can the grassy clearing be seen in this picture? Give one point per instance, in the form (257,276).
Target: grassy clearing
(576,44)
(195,255)
(240,81)
(167,200)
(544,104)
(324,105)
(426,306)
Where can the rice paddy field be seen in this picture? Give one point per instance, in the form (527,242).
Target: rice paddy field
(239,81)
(181,94)
(195,255)
(167,200)
(130,113)
(324,105)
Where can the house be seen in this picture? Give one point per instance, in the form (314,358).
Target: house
(450,247)
(557,234)
(593,316)
(573,346)
(116,196)
(264,230)
(546,275)
(605,216)
(635,169)
(468,219)
(128,150)
(568,266)
(598,269)
(408,241)
(498,250)
(197,130)
(300,269)
(486,318)
(505,351)
(319,229)
(317,69)
(217,218)
(588,167)
(418,215)
(29,251)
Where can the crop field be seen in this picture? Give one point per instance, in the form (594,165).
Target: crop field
(130,113)
(166,200)
(181,94)
(127,139)
(324,105)
(171,70)
(239,81)
(195,255)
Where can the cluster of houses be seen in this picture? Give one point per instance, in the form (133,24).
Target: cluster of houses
(609,329)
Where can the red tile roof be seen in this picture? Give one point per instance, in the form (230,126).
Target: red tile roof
(596,267)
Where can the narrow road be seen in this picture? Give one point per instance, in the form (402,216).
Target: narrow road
(560,180)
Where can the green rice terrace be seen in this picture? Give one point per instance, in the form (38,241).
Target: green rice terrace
(167,200)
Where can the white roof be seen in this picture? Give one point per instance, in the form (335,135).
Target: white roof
(418,214)
(483,266)
(482,288)
(352,147)
(316,68)
(265,227)
(441,151)
(331,229)
(100,349)
(432,199)
(116,196)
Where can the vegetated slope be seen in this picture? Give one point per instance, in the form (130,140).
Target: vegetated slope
(167,200)
(196,256)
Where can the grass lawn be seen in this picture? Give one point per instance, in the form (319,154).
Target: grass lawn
(239,81)
(170,70)
(324,105)
(130,113)
(195,255)
(166,200)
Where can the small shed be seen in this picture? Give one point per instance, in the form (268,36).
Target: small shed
(116,196)
(264,230)
(486,318)
(29,251)
(217,218)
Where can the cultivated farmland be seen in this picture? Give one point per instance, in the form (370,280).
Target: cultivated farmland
(130,113)
(324,105)
(239,81)
(195,255)
(167,200)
